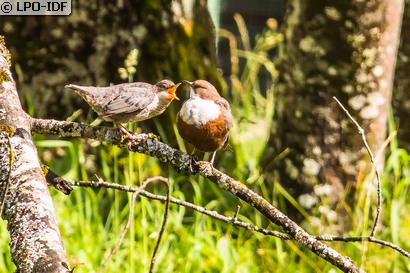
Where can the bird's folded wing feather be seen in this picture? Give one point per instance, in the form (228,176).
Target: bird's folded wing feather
(130,99)
(228,115)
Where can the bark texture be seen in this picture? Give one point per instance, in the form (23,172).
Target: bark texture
(36,244)
(175,40)
(347,50)
(315,65)
(376,43)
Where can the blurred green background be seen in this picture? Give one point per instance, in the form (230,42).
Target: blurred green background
(103,45)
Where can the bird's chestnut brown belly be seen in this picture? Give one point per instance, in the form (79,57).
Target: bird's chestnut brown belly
(206,137)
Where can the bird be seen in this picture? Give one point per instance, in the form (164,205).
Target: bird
(128,102)
(204,119)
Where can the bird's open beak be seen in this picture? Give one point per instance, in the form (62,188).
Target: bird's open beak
(171,91)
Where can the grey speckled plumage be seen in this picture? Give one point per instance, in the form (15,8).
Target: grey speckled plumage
(128,102)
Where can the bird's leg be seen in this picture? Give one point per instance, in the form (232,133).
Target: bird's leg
(192,159)
(211,162)
(213,158)
(131,135)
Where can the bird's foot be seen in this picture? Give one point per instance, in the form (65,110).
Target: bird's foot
(131,135)
(193,159)
(135,136)
(210,165)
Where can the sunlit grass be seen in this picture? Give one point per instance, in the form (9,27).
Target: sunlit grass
(252,106)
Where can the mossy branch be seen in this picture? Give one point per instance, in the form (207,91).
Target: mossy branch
(150,145)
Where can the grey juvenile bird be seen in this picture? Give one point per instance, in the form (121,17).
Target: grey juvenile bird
(128,102)
(205,118)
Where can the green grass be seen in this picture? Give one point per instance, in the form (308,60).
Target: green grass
(92,220)
(252,107)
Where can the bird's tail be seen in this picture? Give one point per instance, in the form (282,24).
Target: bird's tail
(87,92)
(79,89)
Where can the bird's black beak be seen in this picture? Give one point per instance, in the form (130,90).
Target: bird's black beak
(188,82)
(191,89)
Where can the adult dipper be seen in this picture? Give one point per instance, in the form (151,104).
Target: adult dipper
(205,118)
(128,102)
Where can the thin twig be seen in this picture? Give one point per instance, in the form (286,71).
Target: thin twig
(364,239)
(164,222)
(235,217)
(123,233)
(55,180)
(233,220)
(211,213)
(379,186)
(136,191)
(126,227)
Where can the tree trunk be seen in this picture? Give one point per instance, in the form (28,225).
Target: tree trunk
(36,245)
(376,42)
(315,65)
(401,99)
(175,40)
(322,145)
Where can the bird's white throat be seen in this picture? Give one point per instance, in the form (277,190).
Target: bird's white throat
(197,111)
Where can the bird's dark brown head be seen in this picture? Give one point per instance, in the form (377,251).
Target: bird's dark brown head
(169,87)
(204,89)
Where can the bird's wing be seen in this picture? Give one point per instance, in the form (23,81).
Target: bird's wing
(130,99)
(228,118)
(228,114)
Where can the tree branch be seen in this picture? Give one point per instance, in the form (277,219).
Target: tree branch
(364,239)
(230,220)
(135,192)
(213,214)
(150,145)
(35,245)
(369,151)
